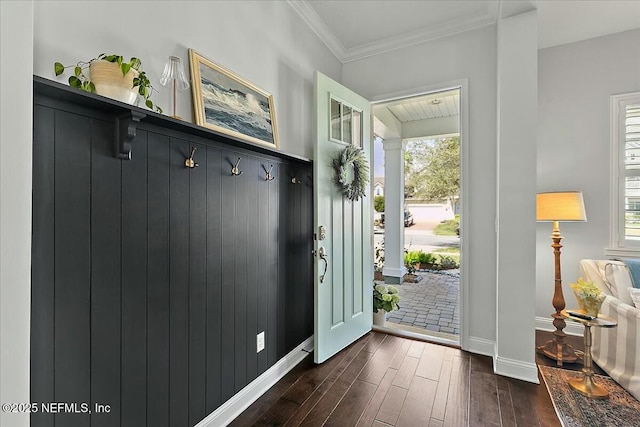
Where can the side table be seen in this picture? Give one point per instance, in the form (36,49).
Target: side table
(585,385)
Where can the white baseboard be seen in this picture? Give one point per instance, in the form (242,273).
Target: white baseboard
(233,407)
(481,346)
(516,369)
(504,366)
(546,324)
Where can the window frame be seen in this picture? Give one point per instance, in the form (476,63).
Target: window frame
(618,244)
(353,109)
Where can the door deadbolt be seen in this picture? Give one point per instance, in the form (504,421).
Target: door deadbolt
(322,233)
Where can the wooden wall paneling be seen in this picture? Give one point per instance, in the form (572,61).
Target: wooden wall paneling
(263,288)
(73,264)
(271,276)
(284,220)
(228,258)
(253,211)
(197,286)
(178,283)
(158,312)
(303,253)
(214,167)
(292,298)
(151,280)
(135,284)
(309,265)
(42,272)
(105,276)
(248,177)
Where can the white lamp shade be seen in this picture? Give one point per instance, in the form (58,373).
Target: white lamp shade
(560,206)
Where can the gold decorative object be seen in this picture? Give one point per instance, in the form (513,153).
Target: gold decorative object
(555,207)
(269,176)
(235,171)
(190,163)
(585,385)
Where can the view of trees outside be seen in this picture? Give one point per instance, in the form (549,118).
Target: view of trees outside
(432,170)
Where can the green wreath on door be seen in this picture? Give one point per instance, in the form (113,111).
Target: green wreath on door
(351,158)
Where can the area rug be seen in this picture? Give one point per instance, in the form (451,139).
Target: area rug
(575,410)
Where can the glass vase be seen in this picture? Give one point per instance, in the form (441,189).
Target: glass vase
(590,305)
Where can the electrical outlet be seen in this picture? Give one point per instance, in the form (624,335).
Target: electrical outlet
(260,341)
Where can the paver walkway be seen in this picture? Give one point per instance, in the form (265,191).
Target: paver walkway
(430,304)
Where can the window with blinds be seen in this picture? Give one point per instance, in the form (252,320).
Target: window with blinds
(625,175)
(632,171)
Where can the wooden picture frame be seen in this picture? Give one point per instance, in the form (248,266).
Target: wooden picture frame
(229,104)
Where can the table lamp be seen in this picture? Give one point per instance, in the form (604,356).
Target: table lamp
(174,73)
(555,207)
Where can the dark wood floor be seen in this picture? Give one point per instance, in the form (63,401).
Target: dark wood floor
(384,380)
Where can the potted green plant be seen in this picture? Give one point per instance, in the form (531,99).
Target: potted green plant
(111,76)
(385,300)
(588,295)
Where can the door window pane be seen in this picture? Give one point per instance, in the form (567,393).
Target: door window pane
(346,124)
(357,128)
(336,113)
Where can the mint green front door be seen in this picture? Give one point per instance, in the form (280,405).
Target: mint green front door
(343,245)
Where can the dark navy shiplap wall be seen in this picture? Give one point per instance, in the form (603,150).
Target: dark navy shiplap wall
(152,280)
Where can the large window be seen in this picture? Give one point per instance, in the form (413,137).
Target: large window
(625,174)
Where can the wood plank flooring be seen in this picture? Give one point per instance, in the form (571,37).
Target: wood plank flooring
(384,380)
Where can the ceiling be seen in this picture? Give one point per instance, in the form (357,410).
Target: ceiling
(431,106)
(354,29)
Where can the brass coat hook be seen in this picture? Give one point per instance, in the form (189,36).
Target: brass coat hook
(269,177)
(234,170)
(189,162)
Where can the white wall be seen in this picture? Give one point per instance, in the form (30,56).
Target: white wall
(517,123)
(265,42)
(16,29)
(574,83)
(470,55)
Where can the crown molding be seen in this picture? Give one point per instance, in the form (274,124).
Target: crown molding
(318,26)
(445,29)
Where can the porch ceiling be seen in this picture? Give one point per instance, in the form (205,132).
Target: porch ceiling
(432,106)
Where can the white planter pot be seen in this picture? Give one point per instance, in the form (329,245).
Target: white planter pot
(379,318)
(109,81)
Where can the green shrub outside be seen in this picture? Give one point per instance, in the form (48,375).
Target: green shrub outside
(378,203)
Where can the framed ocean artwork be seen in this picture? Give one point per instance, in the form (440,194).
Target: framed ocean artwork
(227,103)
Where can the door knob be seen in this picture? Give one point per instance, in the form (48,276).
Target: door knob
(322,254)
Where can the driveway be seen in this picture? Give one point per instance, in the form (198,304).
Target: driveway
(425,240)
